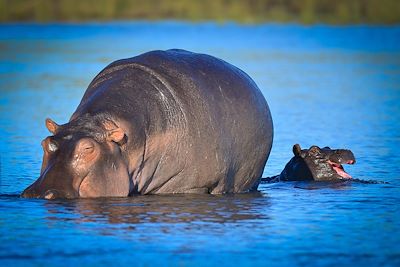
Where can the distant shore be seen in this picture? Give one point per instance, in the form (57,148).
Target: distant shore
(251,11)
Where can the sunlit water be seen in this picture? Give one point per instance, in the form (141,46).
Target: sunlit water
(335,86)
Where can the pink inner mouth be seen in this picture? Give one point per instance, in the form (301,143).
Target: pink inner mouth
(340,170)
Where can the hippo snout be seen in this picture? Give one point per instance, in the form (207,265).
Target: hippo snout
(49,194)
(29,193)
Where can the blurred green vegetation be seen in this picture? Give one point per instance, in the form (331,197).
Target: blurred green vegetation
(246,11)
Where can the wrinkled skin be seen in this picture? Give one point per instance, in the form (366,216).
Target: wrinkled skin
(318,164)
(159,123)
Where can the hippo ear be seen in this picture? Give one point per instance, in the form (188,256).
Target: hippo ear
(114,133)
(51,126)
(117,136)
(297,150)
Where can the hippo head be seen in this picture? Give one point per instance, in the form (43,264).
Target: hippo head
(82,159)
(325,164)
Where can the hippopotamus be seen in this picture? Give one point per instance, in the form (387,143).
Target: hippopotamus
(163,122)
(315,164)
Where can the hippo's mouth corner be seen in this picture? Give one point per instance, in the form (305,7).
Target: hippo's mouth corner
(338,168)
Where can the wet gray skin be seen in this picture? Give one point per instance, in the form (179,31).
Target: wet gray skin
(160,123)
(318,164)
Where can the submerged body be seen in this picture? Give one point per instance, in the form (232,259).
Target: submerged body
(162,122)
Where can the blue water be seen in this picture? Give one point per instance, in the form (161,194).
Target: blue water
(326,85)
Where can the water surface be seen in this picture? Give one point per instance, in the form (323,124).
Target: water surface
(336,86)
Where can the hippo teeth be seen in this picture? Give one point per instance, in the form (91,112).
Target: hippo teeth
(339,170)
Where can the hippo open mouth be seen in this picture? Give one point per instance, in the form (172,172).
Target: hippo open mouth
(338,168)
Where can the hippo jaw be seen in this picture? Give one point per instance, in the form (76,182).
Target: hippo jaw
(34,192)
(338,168)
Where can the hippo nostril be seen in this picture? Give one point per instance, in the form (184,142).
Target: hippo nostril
(50,194)
(351,161)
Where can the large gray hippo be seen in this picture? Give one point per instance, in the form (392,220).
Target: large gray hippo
(162,122)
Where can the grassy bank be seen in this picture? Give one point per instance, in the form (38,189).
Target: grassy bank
(250,11)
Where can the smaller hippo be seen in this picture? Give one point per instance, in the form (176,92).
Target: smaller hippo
(315,164)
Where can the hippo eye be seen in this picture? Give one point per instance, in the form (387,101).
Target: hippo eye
(88,149)
(85,146)
(52,147)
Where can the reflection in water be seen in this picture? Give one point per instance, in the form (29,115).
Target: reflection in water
(163,209)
